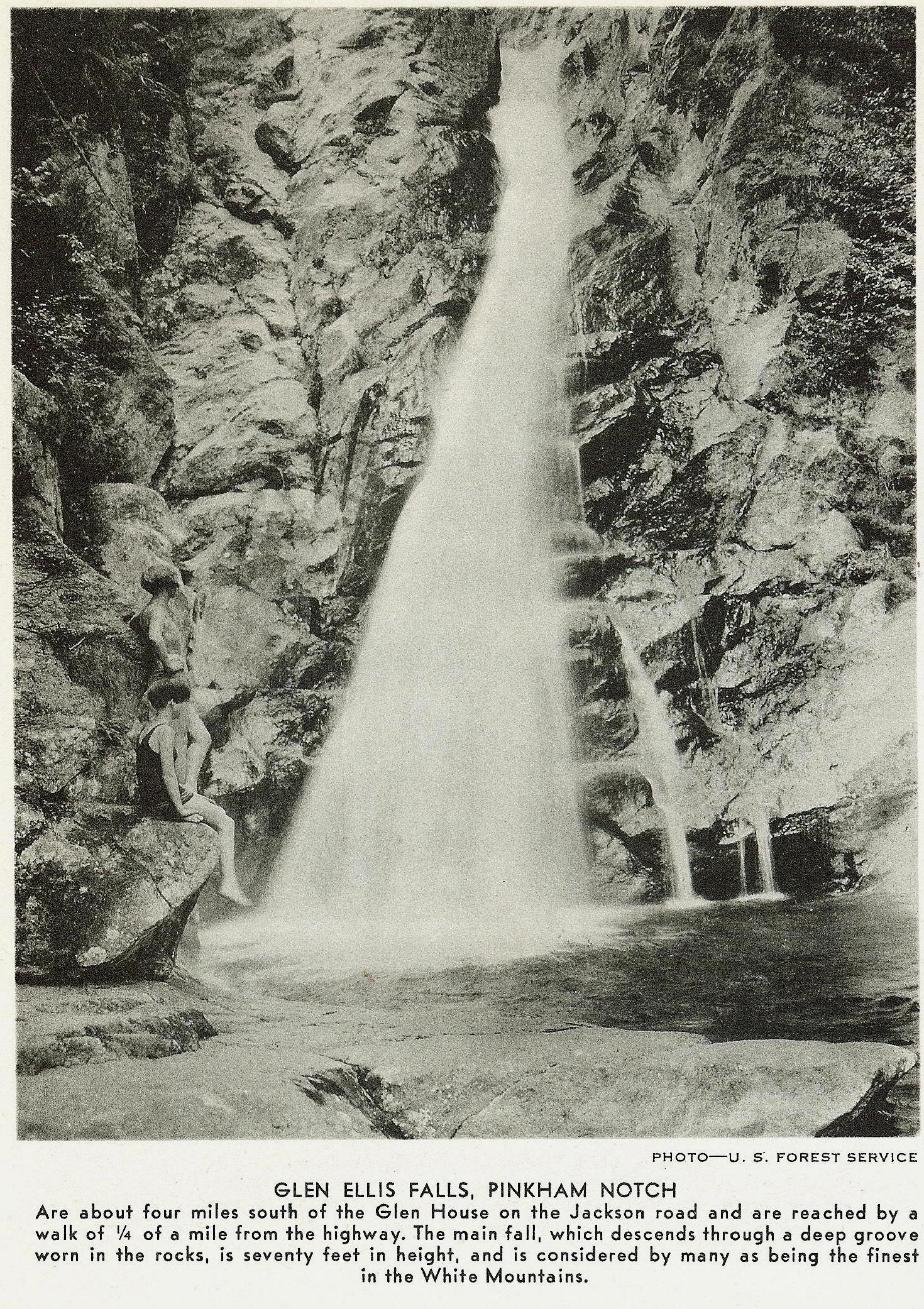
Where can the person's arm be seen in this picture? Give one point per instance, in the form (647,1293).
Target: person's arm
(193,617)
(163,739)
(156,637)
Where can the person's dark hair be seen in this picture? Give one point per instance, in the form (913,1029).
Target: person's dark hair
(169,690)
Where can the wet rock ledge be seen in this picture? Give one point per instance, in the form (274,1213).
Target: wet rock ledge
(95,1067)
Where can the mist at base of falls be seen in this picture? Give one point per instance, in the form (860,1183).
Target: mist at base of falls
(442,819)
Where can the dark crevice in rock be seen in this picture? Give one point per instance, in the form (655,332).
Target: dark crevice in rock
(273,142)
(153,954)
(361,1088)
(475,110)
(373,117)
(367,39)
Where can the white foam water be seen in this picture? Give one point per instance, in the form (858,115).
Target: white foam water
(441,821)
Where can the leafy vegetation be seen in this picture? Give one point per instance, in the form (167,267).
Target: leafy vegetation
(860,174)
(829,132)
(86,80)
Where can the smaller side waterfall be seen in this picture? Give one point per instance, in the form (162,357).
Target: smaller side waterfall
(662,766)
(743,858)
(765,864)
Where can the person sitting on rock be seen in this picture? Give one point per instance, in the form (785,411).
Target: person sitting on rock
(162,792)
(168,622)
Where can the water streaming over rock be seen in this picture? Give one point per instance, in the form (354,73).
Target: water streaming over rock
(742,859)
(442,810)
(661,764)
(766,869)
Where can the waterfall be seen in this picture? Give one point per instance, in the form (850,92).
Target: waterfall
(742,841)
(570,497)
(662,766)
(442,811)
(765,865)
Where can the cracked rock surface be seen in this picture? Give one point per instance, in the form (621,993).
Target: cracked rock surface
(296,1069)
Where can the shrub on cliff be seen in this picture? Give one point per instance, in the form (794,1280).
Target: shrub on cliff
(862,177)
(829,130)
(85,80)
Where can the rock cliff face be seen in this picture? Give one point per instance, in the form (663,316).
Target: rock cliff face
(269,332)
(742,371)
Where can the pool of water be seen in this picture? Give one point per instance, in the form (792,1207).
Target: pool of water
(841,968)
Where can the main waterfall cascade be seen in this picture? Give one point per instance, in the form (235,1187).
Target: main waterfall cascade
(442,822)
(443,808)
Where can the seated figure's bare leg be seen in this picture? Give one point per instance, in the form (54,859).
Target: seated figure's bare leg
(199,740)
(216,818)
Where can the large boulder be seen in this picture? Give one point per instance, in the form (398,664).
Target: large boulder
(36,439)
(101,895)
(80,673)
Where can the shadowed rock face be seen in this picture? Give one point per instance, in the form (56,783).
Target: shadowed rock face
(103,897)
(740,376)
(745,425)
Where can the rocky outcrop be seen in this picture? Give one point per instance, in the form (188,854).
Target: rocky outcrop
(101,895)
(80,675)
(63,1028)
(741,373)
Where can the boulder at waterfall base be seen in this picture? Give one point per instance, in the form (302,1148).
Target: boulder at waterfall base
(100,894)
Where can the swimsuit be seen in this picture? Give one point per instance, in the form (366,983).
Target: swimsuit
(152,793)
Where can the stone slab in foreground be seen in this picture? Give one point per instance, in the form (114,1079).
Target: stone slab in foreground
(592,1081)
(267,1078)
